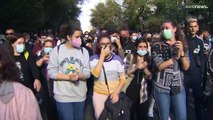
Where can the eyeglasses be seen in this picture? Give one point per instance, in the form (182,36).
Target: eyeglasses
(105,44)
(9,34)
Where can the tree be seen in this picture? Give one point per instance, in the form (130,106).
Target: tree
(106,15)
(148,14)
(30,15)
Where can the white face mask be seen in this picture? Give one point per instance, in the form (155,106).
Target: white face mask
(134,38)
(113,39)
(20,48)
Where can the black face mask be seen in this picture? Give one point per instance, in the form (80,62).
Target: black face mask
(123,40)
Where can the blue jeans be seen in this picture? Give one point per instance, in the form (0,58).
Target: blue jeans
(70,110)
(178,103)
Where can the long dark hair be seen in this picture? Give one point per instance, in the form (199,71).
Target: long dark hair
(98,48)
(67,29)
(179,35)
(8,69)
(146,57)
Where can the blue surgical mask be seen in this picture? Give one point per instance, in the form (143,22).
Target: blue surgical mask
(47,50)
(20,48)
(167,34)
(210,39)
(142,52)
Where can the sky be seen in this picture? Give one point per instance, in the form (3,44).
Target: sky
(86,12)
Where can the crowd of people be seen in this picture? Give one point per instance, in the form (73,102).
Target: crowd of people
(70,76)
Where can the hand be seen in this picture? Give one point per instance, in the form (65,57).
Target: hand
(74,76)
(118,42)
(179,46)
(37,85)
(114,97)
(46,58)
(105,51)
(139,59)
(142,65)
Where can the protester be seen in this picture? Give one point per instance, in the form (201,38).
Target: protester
(17,101)
(26,63)
(116,44)
(126,42)
(48,106)
(69,67)
(171,59)
(194,76)
(105,60)
(137,90)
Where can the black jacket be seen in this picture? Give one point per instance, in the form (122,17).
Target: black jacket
(196,59)
(29,70)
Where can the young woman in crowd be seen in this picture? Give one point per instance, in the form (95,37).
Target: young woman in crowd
(69,67)
(137,90)
(25,61)
(105,60)
(17,101)
(42,61)
(171,59)
(116,44)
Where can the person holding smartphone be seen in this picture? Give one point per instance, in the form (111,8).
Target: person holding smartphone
(170,59)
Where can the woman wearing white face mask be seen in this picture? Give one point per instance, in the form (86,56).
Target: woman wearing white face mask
(137,90)
(69,67)
(25,61)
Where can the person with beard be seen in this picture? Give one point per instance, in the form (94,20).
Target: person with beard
(127,44)
(194,75)
(105,60)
